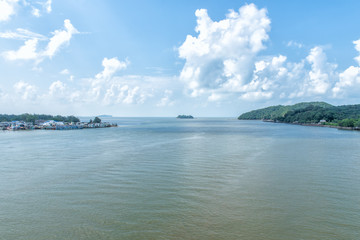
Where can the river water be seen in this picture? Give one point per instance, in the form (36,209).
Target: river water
(165,178)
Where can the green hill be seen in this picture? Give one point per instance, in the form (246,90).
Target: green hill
(308,112)
(273,112)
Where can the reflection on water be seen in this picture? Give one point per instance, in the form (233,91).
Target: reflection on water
(162,178)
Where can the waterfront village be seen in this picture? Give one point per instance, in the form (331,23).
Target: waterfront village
(52,125)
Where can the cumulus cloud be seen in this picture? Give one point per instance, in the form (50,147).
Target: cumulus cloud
(25,52)
(221,57)
(276,77)
(318,81)
(57,89)
(7,8)
(116,92)
(349,80)
(166,99)
(110,89)
(111,66)
(224,60)
(28,50)
(26,90)
(269,75)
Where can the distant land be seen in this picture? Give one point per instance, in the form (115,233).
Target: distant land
(185,117)
(26,117)
(309,113)
(28,121)
(105,116)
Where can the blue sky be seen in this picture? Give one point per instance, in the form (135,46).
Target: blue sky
(164,58)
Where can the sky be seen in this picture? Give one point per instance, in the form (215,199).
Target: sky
(163,58)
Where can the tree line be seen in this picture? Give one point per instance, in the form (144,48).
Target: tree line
(26,117)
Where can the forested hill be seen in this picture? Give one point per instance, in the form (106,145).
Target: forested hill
(308,112)
(273,112)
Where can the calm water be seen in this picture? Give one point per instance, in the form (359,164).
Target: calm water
(163,178)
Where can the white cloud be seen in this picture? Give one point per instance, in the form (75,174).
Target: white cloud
(28,50)
(116,92)
(47,6)
(75,97)
(57,89)
(22,34)
(319,77)
(60,38)
(357,47)
(39,7)
(349,80)
(111,66)
(35,12)
(109,89)
(214,97)
(295,44)
(166,99)
(26,90)
(221,57)
(257,95)
(270,75)
(276,78)
(25,52)
(223,61)
(65,72)
(7,8)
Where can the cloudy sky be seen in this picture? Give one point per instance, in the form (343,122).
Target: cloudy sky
(164,58)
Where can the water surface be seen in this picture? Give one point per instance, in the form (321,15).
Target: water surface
(164,178)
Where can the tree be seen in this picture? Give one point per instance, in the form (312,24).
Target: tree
(347,123)
(97,120)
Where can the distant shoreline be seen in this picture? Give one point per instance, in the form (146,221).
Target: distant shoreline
(52,125)
(307,124)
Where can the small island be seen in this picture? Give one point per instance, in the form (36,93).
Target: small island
(185,117)
(310,114)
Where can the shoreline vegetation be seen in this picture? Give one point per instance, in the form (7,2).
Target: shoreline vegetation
(316,114)
(48,122)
